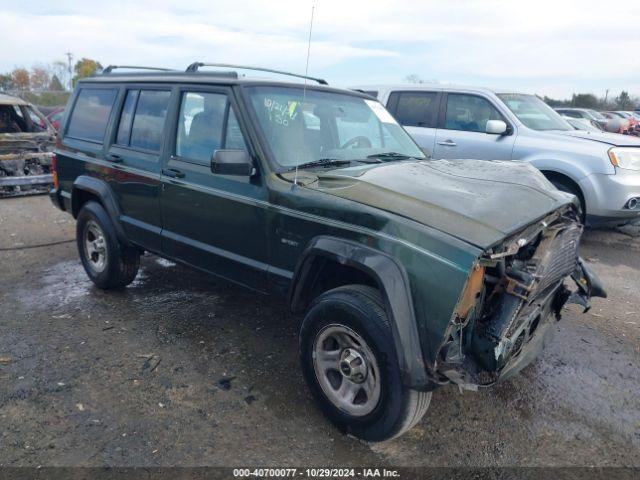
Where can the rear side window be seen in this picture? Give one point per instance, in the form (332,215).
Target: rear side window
(90,115)
(415,109)
(148,120)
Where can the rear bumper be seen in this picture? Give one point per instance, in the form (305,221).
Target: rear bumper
(56,198)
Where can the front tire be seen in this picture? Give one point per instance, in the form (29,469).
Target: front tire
(108,263)
(349,361)
(566,187)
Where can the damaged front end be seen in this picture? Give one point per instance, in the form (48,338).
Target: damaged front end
(512,298)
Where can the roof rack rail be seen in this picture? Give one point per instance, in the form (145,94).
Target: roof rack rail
(111,68)
(196,65)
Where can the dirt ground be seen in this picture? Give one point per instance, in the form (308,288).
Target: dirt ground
(183,369)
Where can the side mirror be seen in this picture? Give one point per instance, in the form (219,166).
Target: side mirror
(232,162)
(496,127)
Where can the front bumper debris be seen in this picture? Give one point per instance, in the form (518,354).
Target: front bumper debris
(523,292)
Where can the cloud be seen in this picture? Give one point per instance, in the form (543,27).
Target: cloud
(550,46)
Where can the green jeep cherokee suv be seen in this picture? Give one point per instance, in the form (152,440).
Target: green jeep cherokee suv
(408,273)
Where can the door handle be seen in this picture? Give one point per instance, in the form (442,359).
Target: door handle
(114,158)
(448,143)
(172,172)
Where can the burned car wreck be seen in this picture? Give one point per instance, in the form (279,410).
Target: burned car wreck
(26,141)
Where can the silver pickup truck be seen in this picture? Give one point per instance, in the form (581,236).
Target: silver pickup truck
(456,122)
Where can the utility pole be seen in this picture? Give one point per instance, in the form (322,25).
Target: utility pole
(606,96)
(70,58)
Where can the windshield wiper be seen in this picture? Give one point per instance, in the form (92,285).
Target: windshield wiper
(322,162)
(388,156)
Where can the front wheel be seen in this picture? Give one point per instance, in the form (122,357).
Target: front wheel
(108,263)
(349,361)
(566,187)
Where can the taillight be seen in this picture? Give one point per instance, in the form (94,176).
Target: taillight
(54,171)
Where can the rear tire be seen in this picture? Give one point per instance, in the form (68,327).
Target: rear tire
(349,325)
(108,263)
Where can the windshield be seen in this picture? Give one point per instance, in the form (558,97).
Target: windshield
(583,124)
(328,126)
(596,115)
(533,112)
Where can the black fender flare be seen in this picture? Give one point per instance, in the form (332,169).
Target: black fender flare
(107,197)
(392,281)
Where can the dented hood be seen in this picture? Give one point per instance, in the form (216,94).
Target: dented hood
(478,201)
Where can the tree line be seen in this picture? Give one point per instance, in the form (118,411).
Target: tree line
(47,84)
(624,101)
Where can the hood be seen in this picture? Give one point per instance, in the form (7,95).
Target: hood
(478,201)
(613,139)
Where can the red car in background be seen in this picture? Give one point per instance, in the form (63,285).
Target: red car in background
(55,117)
(618,123)
(634,122)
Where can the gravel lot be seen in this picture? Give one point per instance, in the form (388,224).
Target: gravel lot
(182,369)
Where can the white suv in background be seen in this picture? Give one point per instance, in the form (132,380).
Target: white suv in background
(459,122)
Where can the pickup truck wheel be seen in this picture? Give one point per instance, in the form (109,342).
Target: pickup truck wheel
(349,361)
(108,263)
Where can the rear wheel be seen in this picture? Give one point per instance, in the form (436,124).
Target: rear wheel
(108,263)
(349,361)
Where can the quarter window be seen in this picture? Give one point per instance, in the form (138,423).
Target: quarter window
(206,123)
(416,109)
(91,114)
(469,113)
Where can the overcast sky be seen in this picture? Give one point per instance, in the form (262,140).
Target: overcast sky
(545,47)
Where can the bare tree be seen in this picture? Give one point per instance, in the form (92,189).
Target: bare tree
(624,101)
(59,69)
(413,78)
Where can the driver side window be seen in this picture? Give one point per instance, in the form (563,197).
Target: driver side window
(206,123)
(469,113)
